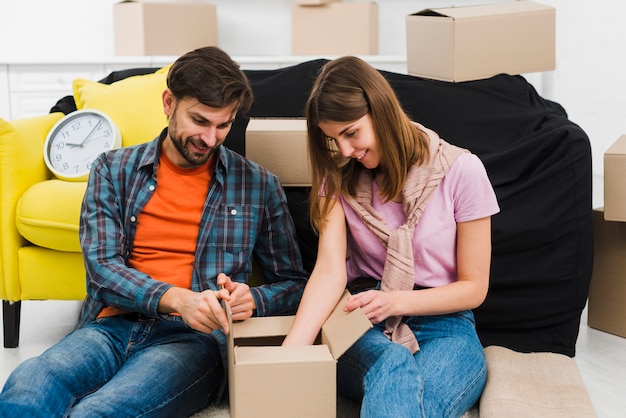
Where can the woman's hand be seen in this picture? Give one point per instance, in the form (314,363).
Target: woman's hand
(375,304)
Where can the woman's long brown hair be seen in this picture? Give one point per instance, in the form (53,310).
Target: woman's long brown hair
(347,89)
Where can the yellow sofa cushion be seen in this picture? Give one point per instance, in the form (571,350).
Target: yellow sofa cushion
(51,274)
(134,103)
(48,214)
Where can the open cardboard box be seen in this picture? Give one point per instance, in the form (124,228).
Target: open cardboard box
(475,42)
(268,380)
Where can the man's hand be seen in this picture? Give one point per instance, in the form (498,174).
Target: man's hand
(240,298)
(202,311)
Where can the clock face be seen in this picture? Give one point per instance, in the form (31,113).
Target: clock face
(76,140)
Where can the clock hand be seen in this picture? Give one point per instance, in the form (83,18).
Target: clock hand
(71,144)
(93,139)
(91,133)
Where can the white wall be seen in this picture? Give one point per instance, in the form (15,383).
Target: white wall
(588,81)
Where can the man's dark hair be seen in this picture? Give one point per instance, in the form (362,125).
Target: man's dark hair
(211,76)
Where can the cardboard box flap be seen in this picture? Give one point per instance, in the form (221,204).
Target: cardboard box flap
(230,343)
(342,329)
(465,12)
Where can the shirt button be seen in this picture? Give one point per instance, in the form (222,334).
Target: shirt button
(233,212)
(151,188)
(133,219)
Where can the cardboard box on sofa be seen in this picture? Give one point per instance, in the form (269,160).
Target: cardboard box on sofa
(163,28)
(335,29)
(266,135)
(606,309)
(268,380)
(614,180)
(476,42)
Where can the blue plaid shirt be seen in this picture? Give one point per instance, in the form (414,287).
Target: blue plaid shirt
(245,216)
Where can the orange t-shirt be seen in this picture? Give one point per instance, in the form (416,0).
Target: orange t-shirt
(167,227)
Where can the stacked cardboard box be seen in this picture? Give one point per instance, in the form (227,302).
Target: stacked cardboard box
(266,135)
(163,28)
(332,27)
(475,42)
(607,292)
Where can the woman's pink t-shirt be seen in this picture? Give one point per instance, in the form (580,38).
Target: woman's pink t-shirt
(464,194)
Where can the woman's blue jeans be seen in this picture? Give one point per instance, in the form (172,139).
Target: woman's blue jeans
(114,367)
(444,379)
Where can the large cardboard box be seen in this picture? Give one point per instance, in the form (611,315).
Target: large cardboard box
(280,145)
(615,181)
(163,28)
(268,380)
(335,29)
(476,42)
(606,308)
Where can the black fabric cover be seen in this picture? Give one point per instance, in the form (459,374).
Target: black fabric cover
(539,163)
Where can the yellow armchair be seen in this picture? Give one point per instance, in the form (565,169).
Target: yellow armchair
(40,255)
(28,271)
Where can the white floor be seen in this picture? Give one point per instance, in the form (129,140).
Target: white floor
(601,357)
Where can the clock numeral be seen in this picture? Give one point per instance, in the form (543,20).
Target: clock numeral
(59,145)
(58,157)
(76,125)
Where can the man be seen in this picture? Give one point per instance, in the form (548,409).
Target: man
(168,228)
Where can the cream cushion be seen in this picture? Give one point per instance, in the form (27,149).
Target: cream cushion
(538,385)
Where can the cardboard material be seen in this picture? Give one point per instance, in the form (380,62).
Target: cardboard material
(606,309)
(163,28)
(476,42)
(335,29)
(615,181)
(264,136)
(314,2)
(268,380)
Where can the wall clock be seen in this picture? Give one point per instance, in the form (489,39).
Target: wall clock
(76,140)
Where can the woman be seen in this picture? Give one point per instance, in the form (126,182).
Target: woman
(405,218)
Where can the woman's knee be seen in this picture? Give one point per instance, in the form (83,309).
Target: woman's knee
(393,360)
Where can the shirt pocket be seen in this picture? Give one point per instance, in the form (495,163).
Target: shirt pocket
(234,228)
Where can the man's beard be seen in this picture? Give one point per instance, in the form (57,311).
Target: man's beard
(195,160)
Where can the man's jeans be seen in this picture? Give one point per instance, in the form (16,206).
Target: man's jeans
(444,379)
(115,367)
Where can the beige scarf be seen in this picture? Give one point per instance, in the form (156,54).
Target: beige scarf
(399,268)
